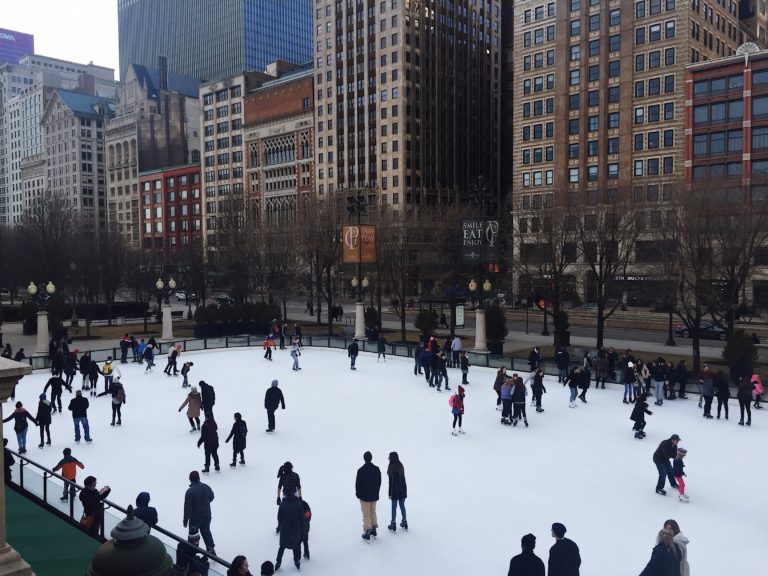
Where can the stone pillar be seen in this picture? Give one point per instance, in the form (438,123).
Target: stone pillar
(480,342)
(359,321)
(11,564)
(41,348)
(167,323)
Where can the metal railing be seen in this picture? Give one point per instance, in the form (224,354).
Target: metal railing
(45,487)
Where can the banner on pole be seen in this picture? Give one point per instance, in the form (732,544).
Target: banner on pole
(359,244)
(480,240)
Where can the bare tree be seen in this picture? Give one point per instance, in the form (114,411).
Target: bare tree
(112,265)
(606,240)
(47,232)
(141,273)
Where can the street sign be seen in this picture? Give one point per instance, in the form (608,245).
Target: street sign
(458,315)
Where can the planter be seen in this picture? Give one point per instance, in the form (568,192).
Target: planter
(496,348)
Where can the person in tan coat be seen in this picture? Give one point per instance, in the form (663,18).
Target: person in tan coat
(193,403)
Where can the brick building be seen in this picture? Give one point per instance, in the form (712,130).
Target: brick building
(171,211)
(279,140)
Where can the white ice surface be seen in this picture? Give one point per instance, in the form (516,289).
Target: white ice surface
(470,498)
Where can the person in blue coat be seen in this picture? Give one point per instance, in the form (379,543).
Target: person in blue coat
(144,511)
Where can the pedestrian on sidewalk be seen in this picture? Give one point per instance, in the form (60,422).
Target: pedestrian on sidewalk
(68,466)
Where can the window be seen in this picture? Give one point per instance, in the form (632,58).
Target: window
(669,84)
(639,142)
(735,141)
(573,149)
(592,174)
(575,79)
(669,111)
(638,168)
(669,29)
(669,138)
(652,168)
(573,175)
(593,98)
(575,27)
(593,123)
(575,52)
(640,9)
(654,113)
(653,140)
(654,59)
(639,89)
(592,148)
(640,36)
(668,165)
(640,115)
(639,62)
(760,106)
(594,22)
(613,120)
(573,126)
(573,102)
(613,94)
(613,69)
(613,171)
(760,138)
(594,47)
(612,146)
(669,56)
(575,5)
(594,73)
(654,32)
(614,17)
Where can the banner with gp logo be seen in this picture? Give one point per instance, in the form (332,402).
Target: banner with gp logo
(359,244)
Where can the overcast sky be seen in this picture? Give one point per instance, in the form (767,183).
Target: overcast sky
(77,30)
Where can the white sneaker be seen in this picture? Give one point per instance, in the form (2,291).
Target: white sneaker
(461,431)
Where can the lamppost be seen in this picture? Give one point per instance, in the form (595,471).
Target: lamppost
(356,206)
(481,344)
(73,270)
(41,296)
(163,294)
(360,288)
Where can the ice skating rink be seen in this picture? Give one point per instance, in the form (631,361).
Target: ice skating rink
(470,498)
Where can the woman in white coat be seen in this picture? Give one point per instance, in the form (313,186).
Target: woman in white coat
(682,543)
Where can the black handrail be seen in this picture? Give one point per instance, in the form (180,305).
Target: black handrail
(75,488)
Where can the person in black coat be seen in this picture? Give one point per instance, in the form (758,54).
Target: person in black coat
(187,558)
(209,439)
(272,399)
(723,393)
(197,508)
(681,375)
(666,451)
(290,518)
(208,395)
(398,490)
(638,415)
(143,511)
(93,509)
(44,419)
(352,352)
(534,358)
(526,563)
(367,485)
(56,384)
(538,389)
(8,461)
(172,362)
(564,558)
(85,366)
(238,432)
(665,558)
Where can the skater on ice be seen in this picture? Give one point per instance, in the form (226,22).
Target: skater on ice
(665,557)
(678,471)
(758,387)
(269,344)
(79,408)
(197,509)
(290,517)
(464,365)
(564,557)
(68,466)
(193,402)
(398,491)
(744,395)
(295,353)
(117,392)
(457,409)
(638,415)
(666,451)
(723,393)
(367,485)
(538,389)
(56,384)
(273,398)
(185,368)
(237,435)
(526,563)
(43,418)
(209,439)
(352,352)
(207,396)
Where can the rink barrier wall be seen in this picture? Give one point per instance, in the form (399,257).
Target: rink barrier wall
(482,359)
(45,487)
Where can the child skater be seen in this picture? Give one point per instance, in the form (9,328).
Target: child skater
(638,415)
(757,389)
(457,409)
(305,528)
(464,363)
(677,472)
(269,343)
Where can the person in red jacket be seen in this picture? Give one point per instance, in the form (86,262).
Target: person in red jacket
(457,409)
(68,466)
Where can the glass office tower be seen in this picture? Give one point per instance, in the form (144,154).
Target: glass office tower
(214,39)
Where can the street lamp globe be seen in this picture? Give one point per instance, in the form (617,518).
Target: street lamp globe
(354,282)
(159,284)
(32,289)
(472,285)
(366,283)
(50,288)
(487,286)
(172,284)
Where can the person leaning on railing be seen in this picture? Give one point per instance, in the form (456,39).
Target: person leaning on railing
(93,509)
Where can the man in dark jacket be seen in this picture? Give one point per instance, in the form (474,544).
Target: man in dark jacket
(272,399)
(367,487)
(534,358)
(197,508)
(144,511)
(79,408)
(290,517)
(56,384)
(527,563)
(681,375)
(667,450)
(208,395)
(209,438)
(43,418)
(352,352)
(564,558)
(563,360)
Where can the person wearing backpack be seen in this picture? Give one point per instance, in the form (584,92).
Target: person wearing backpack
(457,409)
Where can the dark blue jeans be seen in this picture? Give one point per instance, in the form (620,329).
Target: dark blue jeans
(204,525)
(401,503)
(665,470)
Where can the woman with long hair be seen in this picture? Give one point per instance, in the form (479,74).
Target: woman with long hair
(665,558)
(682,543)
(239,567)
(398,490)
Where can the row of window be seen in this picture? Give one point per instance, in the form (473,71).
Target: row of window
(735,83)
(593,73)
(539,107)
(593,98)
(653,59)
(654,113)
(652,33)
(538,155)
(539,59)
(222,95)
(539,83)
(654,86)
(645,8)
(538,13)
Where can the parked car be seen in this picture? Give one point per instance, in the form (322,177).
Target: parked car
(225,299)
(184,296)
(707,330)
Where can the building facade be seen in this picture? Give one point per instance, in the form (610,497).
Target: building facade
(171,212)
(73,127)
(407,99)
(214,40)
(279,143)
(156,124)
(599,101)
(14,45)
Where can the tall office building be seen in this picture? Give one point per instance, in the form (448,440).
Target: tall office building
(599,99)
(14,45)
(214,39)
(407,98)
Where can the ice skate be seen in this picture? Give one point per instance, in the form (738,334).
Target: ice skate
(661,492)
(461,431)
(539,409)
(684,498)
(454,433)
(205,470)
(404,525)
(297,564)
(526,423)
(638,435)
(233,465)
(366,537)
(392,526)
(514,422)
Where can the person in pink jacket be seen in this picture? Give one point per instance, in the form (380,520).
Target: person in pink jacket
(758,390)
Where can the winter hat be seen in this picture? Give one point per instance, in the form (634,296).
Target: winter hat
(194,389)
(675,437)
(682,451)
(274,383)
(142,499)
(194,534)
(630,365)
(42,396)
(755,378)
(267,568)
(528,542)
(558,529)
(194,476)
(461,390)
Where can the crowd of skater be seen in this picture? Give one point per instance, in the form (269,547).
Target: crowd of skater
(642,381)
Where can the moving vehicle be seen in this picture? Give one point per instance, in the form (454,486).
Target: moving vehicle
(707,330)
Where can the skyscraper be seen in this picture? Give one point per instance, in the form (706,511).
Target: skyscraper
(214,40)
(14,45)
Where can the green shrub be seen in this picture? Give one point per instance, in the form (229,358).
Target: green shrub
(495,324)
(425,322)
